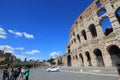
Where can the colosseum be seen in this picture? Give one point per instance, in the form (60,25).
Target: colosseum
(94,38)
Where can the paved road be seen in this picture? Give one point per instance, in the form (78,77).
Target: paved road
(41,74)
(1,74)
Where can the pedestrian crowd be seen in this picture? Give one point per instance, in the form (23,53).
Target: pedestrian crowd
(16,74)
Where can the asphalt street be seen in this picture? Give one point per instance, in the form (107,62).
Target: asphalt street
(42,74)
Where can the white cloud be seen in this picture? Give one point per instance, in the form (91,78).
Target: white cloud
(3,33)
(17,34)
(3,36)
(11,31)
(20,34)
(55,54)
(7,48)
(19,48)
(32,52)
(29,36)
(22,57)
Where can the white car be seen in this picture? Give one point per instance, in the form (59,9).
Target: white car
(53,69)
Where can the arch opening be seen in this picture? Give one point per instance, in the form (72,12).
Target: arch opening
(76,57)
(81,57)
(106,26)
(98,3)
(101,12)
(84,34)
(69,60)
(117,14)
(114,52)
(93,30)
(78,37)
(88,58)
(99,58)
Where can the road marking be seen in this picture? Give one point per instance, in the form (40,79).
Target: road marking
(91,73)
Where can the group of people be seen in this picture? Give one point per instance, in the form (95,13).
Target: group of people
(16,74)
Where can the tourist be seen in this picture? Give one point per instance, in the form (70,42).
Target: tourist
(5,75)
(22,73)
(11,74)
(15,74)
(27,74)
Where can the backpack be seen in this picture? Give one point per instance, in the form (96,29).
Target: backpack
(15,73)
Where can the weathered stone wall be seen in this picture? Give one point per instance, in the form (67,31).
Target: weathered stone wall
(88,44)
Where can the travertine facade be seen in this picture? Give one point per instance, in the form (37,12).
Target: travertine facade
(95,36)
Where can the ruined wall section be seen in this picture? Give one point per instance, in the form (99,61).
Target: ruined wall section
(90,43)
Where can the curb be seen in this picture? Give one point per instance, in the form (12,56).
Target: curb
(114,75)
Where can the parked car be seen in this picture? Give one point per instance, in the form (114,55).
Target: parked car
(53,69)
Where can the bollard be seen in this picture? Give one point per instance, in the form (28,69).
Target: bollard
(81,70)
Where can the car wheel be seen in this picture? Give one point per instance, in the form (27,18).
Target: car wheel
(58,70)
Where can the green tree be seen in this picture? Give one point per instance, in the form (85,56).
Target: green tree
(50,60)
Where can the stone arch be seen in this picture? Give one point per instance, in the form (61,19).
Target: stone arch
(81,57)
(117,14)
(93,30)
(106,25)
(101,12)
(73,33)
(69,51)
(73,57)
(76,57)
(78,37)
(114,52)
(74,40)
(84,34)
(88,58)
(68,60)
(98,3)
(99,57)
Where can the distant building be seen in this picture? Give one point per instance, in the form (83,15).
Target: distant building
(8,57)
(2,56)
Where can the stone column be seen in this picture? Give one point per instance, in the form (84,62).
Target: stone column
(77,43)
(82,38)
(99,31)
(106,57)
(79,62)
(93,58)
(97,25)
(89,35)
(85,60)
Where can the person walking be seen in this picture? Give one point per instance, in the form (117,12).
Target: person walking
(15,74)
(11,74)
(5,75)
(27,74)
(22,73)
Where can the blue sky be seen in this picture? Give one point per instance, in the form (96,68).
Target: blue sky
(38,29)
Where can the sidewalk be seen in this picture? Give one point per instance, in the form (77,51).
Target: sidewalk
(108,71)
